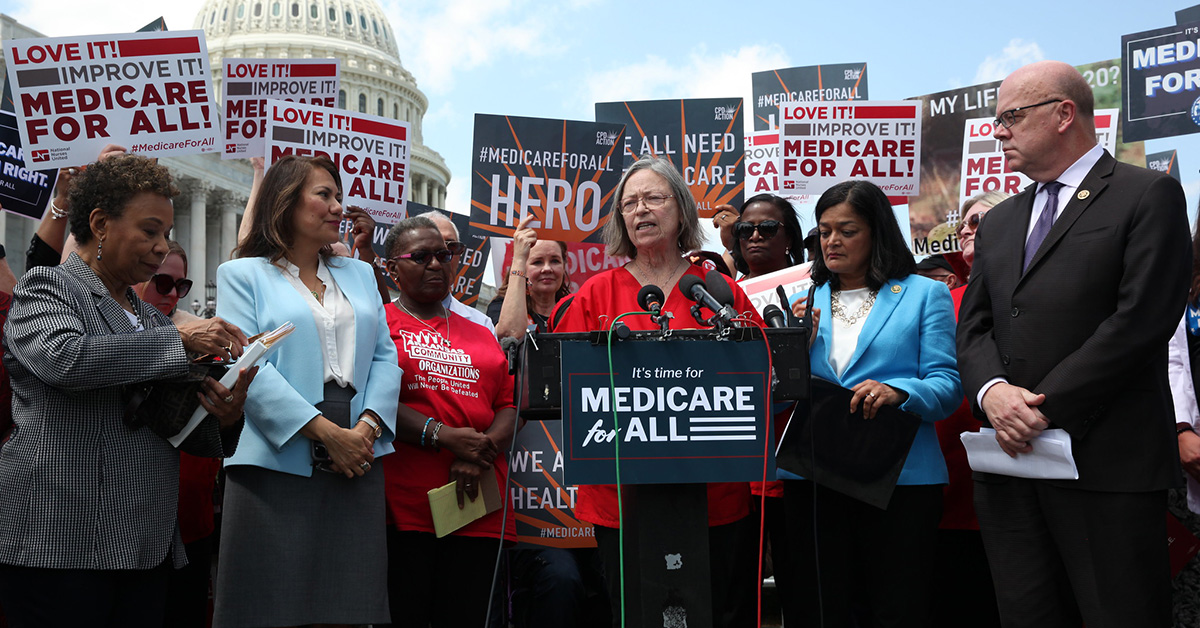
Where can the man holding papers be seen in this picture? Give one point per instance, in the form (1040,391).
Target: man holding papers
(1077,285)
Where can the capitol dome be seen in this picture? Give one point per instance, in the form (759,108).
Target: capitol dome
(354,31)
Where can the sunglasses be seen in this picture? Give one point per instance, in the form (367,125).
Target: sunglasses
(164,284)
(972,221)
(767,229)
(455,247)
(423,257)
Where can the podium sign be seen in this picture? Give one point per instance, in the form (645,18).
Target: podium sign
(690,411)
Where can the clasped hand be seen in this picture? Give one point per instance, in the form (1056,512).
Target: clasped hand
(1014,414)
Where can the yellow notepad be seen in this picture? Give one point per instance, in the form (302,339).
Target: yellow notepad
(448,517)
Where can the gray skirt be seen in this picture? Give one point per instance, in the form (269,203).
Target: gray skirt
(297,550)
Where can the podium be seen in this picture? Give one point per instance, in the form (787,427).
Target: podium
(691,407)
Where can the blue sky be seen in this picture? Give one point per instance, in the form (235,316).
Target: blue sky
(555,60)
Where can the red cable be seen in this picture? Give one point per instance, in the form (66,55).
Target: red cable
(767,437)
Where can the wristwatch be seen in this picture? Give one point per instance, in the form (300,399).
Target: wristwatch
(366,418)
(1182,427)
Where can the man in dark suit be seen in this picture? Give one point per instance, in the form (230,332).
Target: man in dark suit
(1077,286)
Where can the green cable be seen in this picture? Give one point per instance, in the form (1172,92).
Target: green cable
(612,391)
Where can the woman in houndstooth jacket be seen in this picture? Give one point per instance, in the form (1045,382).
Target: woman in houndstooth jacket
(89,506)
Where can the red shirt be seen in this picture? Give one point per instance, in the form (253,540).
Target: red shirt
(958,505)
(609,295)
(464,385)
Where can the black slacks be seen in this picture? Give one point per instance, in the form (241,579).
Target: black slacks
(67,598)
(858,565)
(443,583)
(1061,557)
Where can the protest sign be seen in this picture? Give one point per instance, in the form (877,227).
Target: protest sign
(701,137)
(944,120)
(689,411)
(370,152)
(543,503)
(761,290)
(814,83)
(248,83)
(822,144)
(469,279)
(563,172)
(1166,161)
(150,92)
(1161,82)
(22,191)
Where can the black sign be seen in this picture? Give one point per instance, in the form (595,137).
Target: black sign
(22,191)
(701,137)
(840,81)
(689,411)
(1161,91)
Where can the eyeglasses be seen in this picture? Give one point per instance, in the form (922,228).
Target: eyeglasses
(1009,118)
(651,201)
(455,247)
(767,229)
(164,284)
(423,257)
(972,221)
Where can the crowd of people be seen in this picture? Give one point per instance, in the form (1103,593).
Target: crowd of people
(1074,306)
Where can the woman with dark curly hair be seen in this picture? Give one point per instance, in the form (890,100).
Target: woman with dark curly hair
(90,501)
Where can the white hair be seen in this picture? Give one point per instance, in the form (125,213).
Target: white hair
(437,216)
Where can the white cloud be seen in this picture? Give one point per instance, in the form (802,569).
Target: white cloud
(1016,54)
(703,75)
(60,18)
(459,35)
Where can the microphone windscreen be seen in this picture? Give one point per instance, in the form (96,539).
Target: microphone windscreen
(649,296)
(774,316)
(689,281)
(718,288)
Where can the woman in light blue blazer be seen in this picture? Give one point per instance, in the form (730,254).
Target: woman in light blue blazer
(303,538)
(887,334)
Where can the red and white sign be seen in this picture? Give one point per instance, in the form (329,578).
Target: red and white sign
(248,83)
(984,168)
(370,152)
(824,143)
(761,290)
(149,92)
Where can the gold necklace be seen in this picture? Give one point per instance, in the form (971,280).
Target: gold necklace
(445,339)
(839,310)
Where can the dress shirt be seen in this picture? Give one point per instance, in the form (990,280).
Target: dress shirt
(334,320)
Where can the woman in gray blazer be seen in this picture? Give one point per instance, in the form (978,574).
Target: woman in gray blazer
(87,504)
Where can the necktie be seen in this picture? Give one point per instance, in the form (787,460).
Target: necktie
(1044,222)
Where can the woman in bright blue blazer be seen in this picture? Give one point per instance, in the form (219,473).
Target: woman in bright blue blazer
(303,532)
(887,334)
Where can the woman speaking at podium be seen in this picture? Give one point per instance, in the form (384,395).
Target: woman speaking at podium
(887,334)
(655,221)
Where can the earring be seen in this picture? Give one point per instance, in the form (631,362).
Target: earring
(99,248)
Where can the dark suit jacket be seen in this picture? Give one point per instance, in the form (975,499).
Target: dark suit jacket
(1087,323)
(79,489)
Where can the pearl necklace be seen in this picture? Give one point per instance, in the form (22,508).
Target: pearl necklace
(839,311)
(445,339)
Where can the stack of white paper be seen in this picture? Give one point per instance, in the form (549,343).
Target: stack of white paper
(1051,458)
(261,347)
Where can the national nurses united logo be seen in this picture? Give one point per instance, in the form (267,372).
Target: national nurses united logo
(435,361)
(1195,111)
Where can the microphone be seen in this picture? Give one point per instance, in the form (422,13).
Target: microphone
(718,288)
(509,345)
(650,298)
(774,316)
(694,288)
